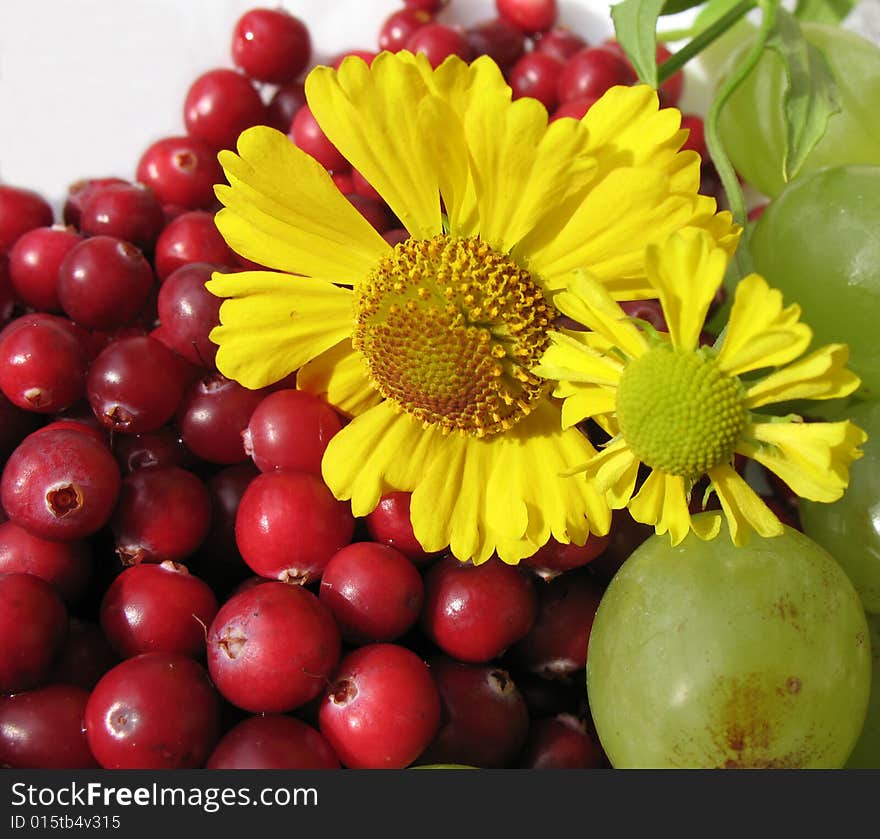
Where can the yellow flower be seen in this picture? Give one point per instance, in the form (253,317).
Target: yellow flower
(685,410)
(429,345)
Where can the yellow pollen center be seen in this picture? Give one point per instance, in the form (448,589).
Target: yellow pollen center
(679,412)
(450,330)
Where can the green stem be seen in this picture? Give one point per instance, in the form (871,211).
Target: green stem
(711,33)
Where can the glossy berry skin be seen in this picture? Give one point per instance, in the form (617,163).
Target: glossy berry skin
(399,26)
(162,447)
(529,15)
(66,566)
(560,42)
(271,45)
(43,729)
(484,720)
(85,656)
(60,484)
(34,262)
(561,742)
(696,140)
(554,558)
(289,525)
(135,385)
(190,237)
(592,71)
(78,194)
(163,514)
(390,524)
(125,211)
(475,612)
(272,741)
(284,104)
(225,488)
(536,74)
(181,171)
(219,105)
(104,282)
(503,43)
(153,711)
(272,648)
(33,623)
(290,429)
(382,708)
(309,136)
(438,41)
(374,592)
(158,608)
(21,210)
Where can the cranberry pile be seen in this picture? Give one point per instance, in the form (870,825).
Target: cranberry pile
(178,587)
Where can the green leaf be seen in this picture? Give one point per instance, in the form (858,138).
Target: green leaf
(713,10)
(823,11)
(635,25)
(810,97)
(673,7)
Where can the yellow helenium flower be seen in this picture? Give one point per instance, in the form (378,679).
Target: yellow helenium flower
(685,410)
(429,345)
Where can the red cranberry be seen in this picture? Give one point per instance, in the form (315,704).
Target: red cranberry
(757,211)
(484,718)
(575,108)
(395,236)
(626,535)
(561,742)
(191,237)
(43,729)
(273,742)
(34,262)
(225,489)
(560,42)
(361,186)
(289,524)
(135,385)
(162,514)
(390,524)
(438,41)
(309,136)
(15,425)
(502,42)
(529,15)
(21,210)
(67,566)
(284,104)
(272,648)
(104,282)
(382,709)
(647,310)
(374,592)
(33,624)
(124,211)
(399,26)
(158,608)
(475,612)
(80,192)
(219,105)
(85,656)
(344,181)
(536,74)
(696,139)
(271,45)
(591,71)
(8,301)
(43,366)
(153,711)
(182,171)
(375,212)
(162,447)
(556,645)
(60,484)
(432,7)
(554,558)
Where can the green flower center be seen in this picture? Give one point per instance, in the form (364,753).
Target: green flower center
(679,412)
(450,330)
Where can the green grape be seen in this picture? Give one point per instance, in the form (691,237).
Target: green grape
(866,754)
(849,529)
(706,655)
(751,123)
(819,243)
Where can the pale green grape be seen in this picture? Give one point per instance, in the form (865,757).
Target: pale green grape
(866,754)
(708,655)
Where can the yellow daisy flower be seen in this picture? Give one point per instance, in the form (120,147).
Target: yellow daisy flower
(685,410)
(429,345)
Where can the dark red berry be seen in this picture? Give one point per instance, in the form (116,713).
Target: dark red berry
(271,45)
(33,625)
(592,71)
(43,729)
(575,108)
(432,7)
(475,612)
(649,311)
(153,711)
(85,656)
(536,74)
(225,488)
(219,105)
(162,447)
(8,301)
(181,171)
(284,104)
(696,139)
(438,41)
(125,211)
(289,524)
(273,741)
(560,42)
(399,26)
(561,742)
(390,524)
(21,210)
(309,136)
(382,709)
(78,194)
(361,186)
(529,15)
(554,558)
(272,647)
(502,42)
(191,237)
(15,425)
(34,262)
(375,212)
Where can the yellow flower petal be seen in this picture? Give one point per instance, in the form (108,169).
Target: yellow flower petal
(687,271)
(820,375)
(570,359)
(662,502)
(271,324)
(742,506)
(339,376)
(284,211)
(377,452)
(614,471)
(760,333)
(372,115)
(586,401)
(813,458)
(720,226)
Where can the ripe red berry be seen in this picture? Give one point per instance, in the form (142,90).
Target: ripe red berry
(529,15)
(309,136)
(382,709)
(272,647)
(592,71)
(554,558)
(125,211)
(34,262)
(536,74)
(560,42)
(438,41)
(696,139)
(190,237)
(85,656)
(432,7)
(574,108)
(78,194)
(501,41)
(561,742)
(271,45)
(181,171)
(284,104)
(390,524)
(153,711)
(219,105)
(21,210)
(399,26)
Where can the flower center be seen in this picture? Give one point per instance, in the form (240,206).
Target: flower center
(679,412)
(450,330)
